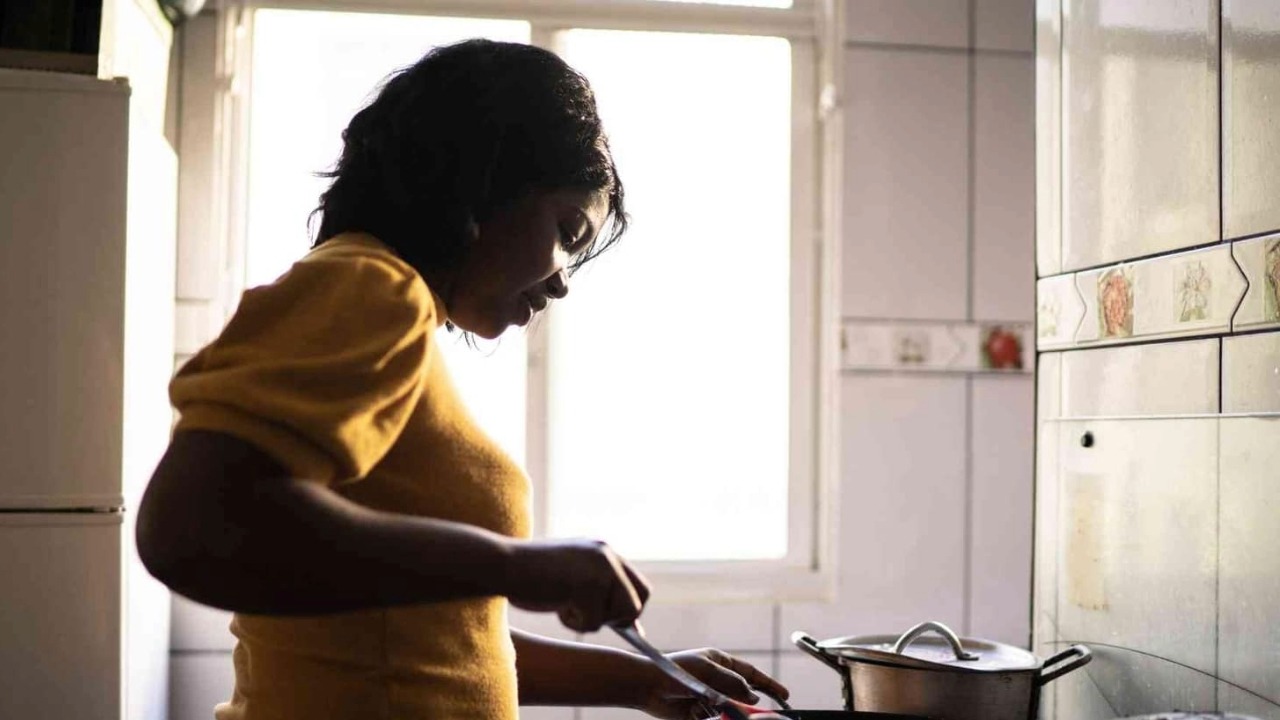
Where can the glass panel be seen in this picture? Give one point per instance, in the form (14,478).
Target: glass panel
(311,72)
(668,361)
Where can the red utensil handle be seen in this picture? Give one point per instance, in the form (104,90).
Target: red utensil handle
(741,711)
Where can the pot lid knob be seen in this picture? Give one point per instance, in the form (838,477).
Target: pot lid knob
(908,637)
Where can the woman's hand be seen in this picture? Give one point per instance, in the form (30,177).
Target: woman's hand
(732,676)
(582,581)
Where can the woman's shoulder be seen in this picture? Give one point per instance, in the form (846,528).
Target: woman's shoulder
(357,249)
(349,275)
(365,267)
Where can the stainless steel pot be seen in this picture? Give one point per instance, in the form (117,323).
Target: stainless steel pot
(942,677)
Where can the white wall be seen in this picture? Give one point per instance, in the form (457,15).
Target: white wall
(937,467)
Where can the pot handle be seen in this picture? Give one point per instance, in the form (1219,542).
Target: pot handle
(1081,656)
(910,636)
(806,643)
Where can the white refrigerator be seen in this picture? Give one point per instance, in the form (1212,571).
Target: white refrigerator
(84,359)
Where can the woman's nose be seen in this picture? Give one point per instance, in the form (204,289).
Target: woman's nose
(558,284)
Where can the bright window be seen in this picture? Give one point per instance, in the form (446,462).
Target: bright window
(668,361)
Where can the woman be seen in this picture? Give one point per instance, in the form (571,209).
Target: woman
(324,481)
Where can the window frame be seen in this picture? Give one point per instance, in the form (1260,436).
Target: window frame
(807,573)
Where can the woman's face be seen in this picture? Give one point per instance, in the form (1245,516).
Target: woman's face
(517,261)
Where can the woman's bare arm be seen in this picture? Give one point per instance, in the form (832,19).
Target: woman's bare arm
(223,524)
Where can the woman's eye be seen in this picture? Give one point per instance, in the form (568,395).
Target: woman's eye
(567,240)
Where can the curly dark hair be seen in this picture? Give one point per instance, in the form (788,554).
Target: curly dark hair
(461,134)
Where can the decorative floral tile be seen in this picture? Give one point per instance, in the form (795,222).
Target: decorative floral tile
(1187,294)
(936,347)
(897,345)
(1115,303)
(1259,260)
(1059,311)
(1004,347)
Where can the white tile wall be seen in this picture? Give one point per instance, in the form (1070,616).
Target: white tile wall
(1140,504)
(1004,181)
(1251,373)
(1140,135)
(1049,386)
(1234,700)
(1048,132)
(1001,510)
(734,627)
(1249,570)
(197,682)
(1044,624)
(1159,379)
(902,517)
(1250,84)
(942,23)
(1003,24)
(813,686)
(906,173)
(1078,698)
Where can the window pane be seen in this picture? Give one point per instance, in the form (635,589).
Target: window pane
(492,381)
(668,361)
(311,72)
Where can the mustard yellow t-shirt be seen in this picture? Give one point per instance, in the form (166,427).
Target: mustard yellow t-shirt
(333,370)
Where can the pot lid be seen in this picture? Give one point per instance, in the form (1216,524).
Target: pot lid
(940,650)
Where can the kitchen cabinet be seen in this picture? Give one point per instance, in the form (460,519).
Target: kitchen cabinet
(1140,128)
(61,648)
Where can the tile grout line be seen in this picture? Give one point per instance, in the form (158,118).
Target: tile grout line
(1222,228)
(971,173)
(970,226)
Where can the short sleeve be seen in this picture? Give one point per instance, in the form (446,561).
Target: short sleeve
(320,369)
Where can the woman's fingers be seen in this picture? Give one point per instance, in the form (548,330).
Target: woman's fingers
(754,676)
(707,665)
(638,582)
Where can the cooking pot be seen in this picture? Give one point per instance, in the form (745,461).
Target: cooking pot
(940,676)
